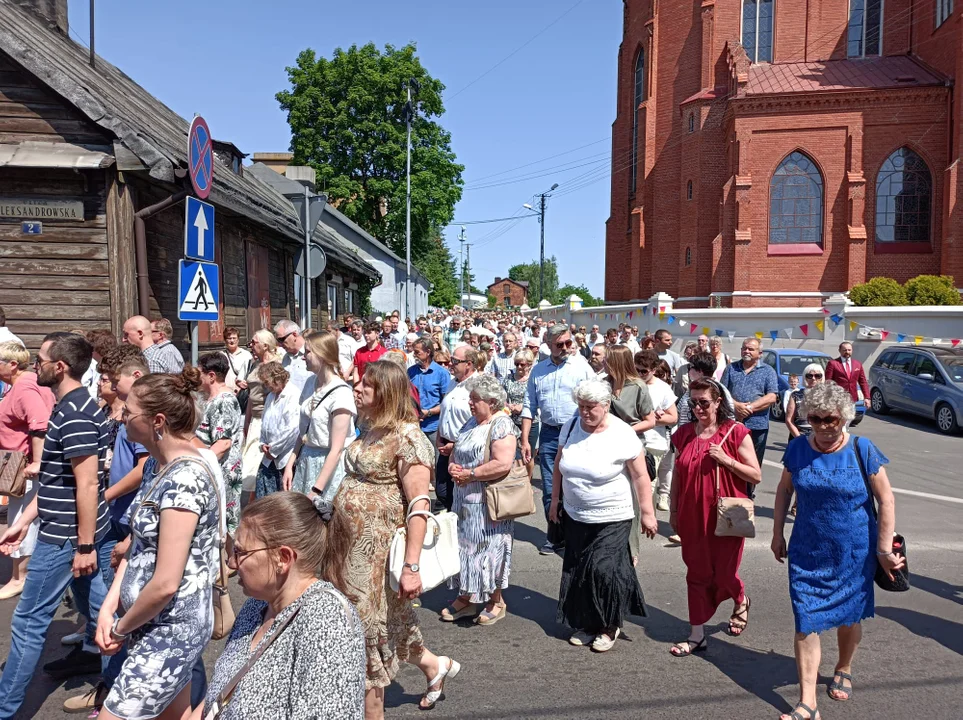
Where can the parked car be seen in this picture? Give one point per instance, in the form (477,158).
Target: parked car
(926,380)
(786,362)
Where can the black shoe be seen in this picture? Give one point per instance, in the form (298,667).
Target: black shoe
(77,662)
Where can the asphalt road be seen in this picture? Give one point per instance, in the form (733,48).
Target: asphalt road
(909,665)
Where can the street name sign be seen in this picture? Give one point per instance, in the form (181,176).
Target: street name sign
(200,157)
(198,291)
(199,230)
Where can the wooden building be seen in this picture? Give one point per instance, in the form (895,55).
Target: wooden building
(83,149)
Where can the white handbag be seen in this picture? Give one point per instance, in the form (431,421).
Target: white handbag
(439,554)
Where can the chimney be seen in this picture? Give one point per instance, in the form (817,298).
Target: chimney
(277,161)
(53,11)
(497,280)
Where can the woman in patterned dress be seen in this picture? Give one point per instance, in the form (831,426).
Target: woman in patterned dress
(162,591)
(485,547)
(516,385)
(390,462)
(222,430)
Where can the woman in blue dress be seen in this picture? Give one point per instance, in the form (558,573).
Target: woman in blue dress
(835,541)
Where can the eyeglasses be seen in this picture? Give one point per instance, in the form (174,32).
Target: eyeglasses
(40,362)
(456,361)
(813,376)
(701,403)
(125,414)
(522,364)
(238,555)
(563,344)
(823,420)
(284,337)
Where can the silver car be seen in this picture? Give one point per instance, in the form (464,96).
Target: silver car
(925,380)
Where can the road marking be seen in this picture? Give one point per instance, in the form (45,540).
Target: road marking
(898,491)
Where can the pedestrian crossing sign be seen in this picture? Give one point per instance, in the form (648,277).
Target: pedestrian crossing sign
(198,291)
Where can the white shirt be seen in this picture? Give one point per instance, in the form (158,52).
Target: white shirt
(7,336)
(632,345)
(657,439)
(347,347)
(240,361)
(454,410)
(316,418)
(673,359)
(599,340)
(279,425)
(294,362)
(91,378)
(595,482)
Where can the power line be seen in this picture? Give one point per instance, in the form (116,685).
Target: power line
(485,222)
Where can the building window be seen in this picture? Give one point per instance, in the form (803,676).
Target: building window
(944,8)
(508,301)
(796,202)
(332,301)
(688,257)
(639,97)
(904,191)
(691,122)
(688,190)
(757,29)
(348,300)
(506,288)
(865,28)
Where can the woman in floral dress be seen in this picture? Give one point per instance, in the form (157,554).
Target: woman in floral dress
(222,430)
(389,465)
(162,591)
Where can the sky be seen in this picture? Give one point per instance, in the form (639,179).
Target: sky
(529,100)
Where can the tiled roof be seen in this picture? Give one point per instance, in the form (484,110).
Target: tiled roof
(839,75)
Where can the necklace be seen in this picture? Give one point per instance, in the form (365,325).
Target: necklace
(832,448)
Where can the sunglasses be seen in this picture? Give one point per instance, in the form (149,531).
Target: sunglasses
(563,344)
(284,337)
(813,376)
(701,403)
(823,420)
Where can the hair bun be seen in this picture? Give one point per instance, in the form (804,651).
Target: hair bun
(190,380)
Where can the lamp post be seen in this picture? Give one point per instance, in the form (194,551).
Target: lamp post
(409,114)
(541,221)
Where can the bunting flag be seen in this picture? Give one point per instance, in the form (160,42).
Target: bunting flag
(773,334)
(883,334)
(693,328)
(900,338)
(825,311)
(731,334)
(937,341)
(631,313)
(706,331)
(917,339)
(661,316)
(671,319)
(719,333)
(853,325)
(788,332)
(955,342)
(805,329)
(655,310)
(820,324)
(682,323)
(836,318)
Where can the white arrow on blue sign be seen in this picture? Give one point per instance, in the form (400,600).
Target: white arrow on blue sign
(198,291)
(199,230)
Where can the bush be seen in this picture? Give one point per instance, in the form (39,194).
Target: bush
(878,291)
(932,290)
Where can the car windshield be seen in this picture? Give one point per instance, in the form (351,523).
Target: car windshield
(954,368)
(795,364)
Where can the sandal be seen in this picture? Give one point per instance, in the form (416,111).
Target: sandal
(451,613)
(794,715)
(845,693)
(739,621)
(486,617)
(687,647)
(433,696)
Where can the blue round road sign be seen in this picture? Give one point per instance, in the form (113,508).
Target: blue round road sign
(200,157)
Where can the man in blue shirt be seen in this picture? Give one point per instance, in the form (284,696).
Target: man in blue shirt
(431,381)
(754,387)
(550,387)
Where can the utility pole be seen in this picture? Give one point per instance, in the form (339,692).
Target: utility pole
(541,221)
(461,266)
(409,118)
(468,270)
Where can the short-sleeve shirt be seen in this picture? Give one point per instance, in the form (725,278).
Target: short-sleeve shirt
(431,383)
(317,411)
(365,356)
(164,358)
(25,408)
(633,404)
(747,387)
(595,481)
(663,397)
(77,429)
(126,453)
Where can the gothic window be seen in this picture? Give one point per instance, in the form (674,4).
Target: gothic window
(865,28)
(944,8)
(688,190)
(904,192)
(757,29)
(639,97)
(688,256)
(691,122)
(796,202)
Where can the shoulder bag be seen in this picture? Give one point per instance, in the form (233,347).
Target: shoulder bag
(243,395)
(509,497)
(317,403)
(439,553)
(13,482)
(735,517)
(901,578)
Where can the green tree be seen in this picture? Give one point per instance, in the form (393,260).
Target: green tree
(347,119)
(566,291)
(880,291)
(492,301)
(932,290)
(438,266)
(529,272)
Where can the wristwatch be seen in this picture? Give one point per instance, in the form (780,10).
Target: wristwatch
(415,567)
(84,549)
(114,635)
(471,475)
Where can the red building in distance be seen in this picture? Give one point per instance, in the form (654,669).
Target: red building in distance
(508,292)
(772,152)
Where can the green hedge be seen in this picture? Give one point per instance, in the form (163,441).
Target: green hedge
(921,290)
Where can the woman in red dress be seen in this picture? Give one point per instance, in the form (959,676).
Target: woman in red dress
(713,440)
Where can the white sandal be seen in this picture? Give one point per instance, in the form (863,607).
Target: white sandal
(433,696)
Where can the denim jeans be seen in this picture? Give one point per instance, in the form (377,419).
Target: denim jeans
(444,487)
(759,438)
(547,448)
(48,576)
(198,682)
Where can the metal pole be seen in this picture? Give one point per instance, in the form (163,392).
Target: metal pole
(541,262)
(306,220)
(461,268)
(93,55)
(468,262)
(408,214)
(194,342)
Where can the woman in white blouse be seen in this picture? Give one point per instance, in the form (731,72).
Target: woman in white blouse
(599,464)
(327,423)
(279,426)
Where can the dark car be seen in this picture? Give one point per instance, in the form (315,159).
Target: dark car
(925,380)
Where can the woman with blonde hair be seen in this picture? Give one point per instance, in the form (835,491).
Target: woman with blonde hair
(516,386)
(264,348)
(385,471)
(327,423)
(279,426)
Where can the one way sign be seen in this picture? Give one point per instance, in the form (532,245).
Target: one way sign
(198,291)
(199,230)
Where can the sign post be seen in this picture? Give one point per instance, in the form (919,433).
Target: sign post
(199,283)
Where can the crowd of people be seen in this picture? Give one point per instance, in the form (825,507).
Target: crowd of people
(293,462)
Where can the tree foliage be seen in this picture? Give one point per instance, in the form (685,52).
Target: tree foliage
(566,291)
(438,266)
(880,291)
(529,272)
(347,119)
(932,290)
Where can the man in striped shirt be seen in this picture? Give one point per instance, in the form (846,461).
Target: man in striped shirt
(74,544)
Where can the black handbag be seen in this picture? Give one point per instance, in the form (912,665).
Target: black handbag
(901,578)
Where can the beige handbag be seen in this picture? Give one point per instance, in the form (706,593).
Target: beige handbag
(512,496)
(735,517)
(13,482)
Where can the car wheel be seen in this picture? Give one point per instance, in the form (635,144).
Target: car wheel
(879,404)
(776,412)
(946,419)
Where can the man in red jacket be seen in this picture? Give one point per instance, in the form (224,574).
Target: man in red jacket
(847,372)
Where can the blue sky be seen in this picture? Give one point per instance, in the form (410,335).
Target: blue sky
(556,94)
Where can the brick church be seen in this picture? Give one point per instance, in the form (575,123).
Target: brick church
(773,152)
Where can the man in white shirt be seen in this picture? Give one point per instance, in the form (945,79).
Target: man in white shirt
(455,412)
(629,341)
(399,331)
(348,344)
(597,361)
(291,341)
(504,362)
(595,337)
(663,346)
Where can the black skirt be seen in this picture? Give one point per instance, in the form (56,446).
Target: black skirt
(599,585)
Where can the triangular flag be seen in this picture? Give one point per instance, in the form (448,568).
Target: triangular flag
(900,338)
(937,341)
(836,318)
(662,309)
(719,333)
(630,314)
(731,334)
(805,329)
(883,334)
(706,331)
(758,335)
(825,311)
(773,334)
(693,328)
(671,319)
(682,323)
(820,324)
(917,339)
(655,310)
(788,332)
(955,342)
(661,316)
(853,325)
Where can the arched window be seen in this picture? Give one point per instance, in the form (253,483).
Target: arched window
(638,97)
(688,190)
(796,202)
(904,193)
(757,29)
(865,28)
(691,122)
(688,256)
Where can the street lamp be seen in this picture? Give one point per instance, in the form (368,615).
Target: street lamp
(541,221)
(409,114)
